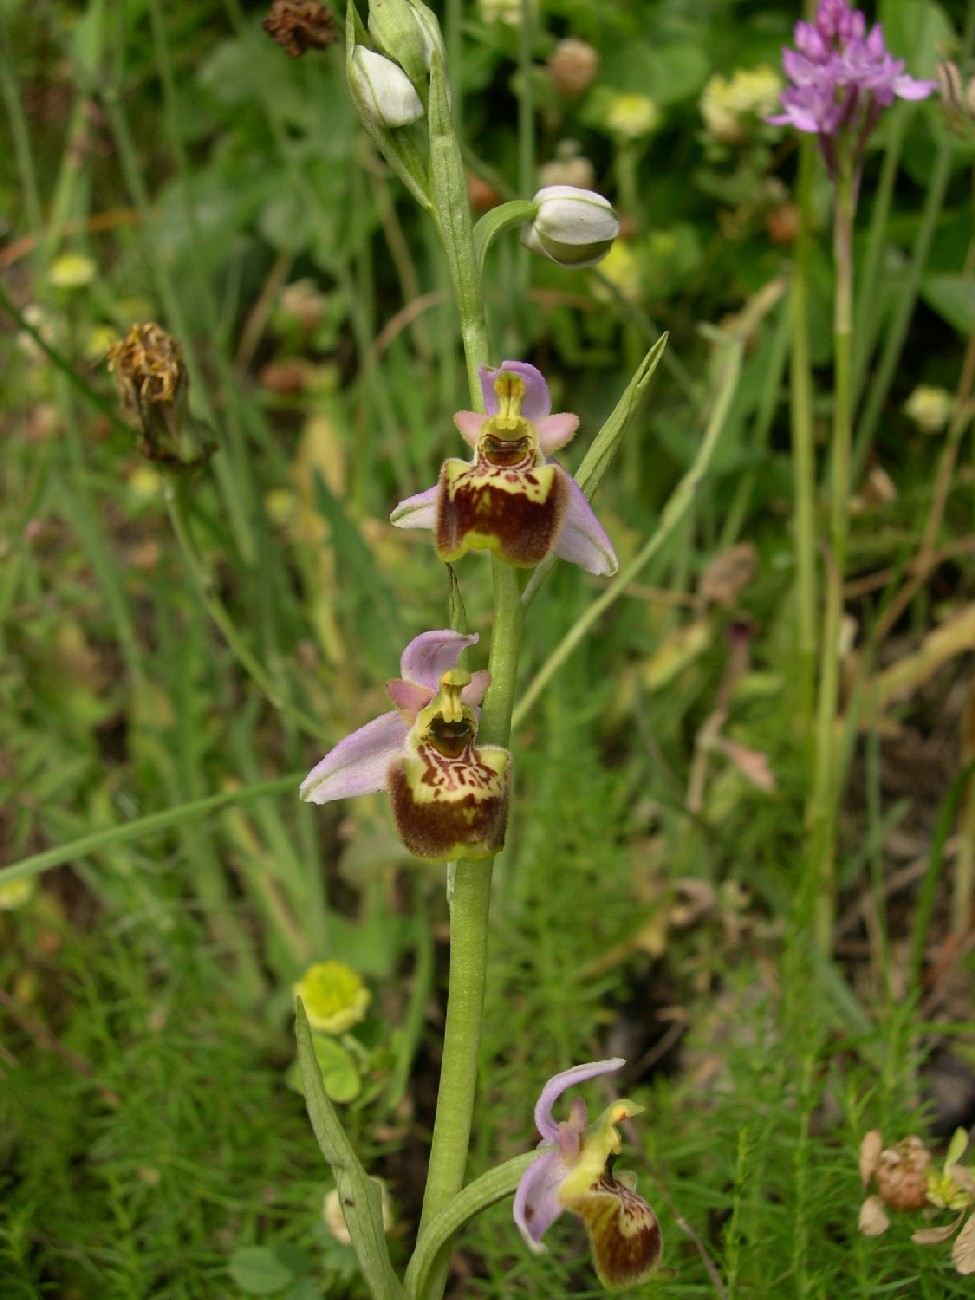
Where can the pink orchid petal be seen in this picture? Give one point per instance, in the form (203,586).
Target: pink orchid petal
(476,689)
(553,1090)
(536,1205)
(419,511)
(431,654)
(582,539)
(554,431)
(537,401)
(357,764)
(469,425)
(408,697)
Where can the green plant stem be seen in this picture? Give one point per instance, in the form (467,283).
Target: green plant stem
(99,841)
(469,888)
(804,465)
(470,902)
(827,783)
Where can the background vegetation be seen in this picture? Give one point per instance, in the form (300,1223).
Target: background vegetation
(167,162)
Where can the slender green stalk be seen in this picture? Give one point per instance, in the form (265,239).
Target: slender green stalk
(804,464)
(469,890)
(124,833)
(826,778)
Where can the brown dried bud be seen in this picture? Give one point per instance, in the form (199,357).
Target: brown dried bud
(151,382)
(572,67)
(300,25)
(901,1174)
(481,193)
(782,224)
(148,367)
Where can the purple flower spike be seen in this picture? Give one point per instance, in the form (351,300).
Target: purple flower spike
(449,797)
(573,1172)
(841,79)
(511,499)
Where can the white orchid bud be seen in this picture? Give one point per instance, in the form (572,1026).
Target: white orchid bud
(396,31)
(382,90)
(573,227)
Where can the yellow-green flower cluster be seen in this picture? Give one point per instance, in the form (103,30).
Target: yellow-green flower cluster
(334,996)
(732,105)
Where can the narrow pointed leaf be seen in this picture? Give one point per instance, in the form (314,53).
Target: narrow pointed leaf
(477,1196)
(507,216)
(358,1193)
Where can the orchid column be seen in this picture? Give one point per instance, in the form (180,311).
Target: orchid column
(842,78)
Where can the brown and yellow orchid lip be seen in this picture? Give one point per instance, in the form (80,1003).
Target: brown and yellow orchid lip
(623,1231)
(514,512)
(449,798)
(450,807)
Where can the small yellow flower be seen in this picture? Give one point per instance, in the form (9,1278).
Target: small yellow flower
(334,996)
(929,408)
(621,267)
(72,271)
(15,893)
(632,116)
(728,103)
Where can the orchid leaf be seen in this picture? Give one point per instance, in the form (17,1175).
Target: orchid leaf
(358,1193)
(477,1196)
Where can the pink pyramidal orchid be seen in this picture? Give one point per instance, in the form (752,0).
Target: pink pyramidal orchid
(841,77)
(574,1172)
(511,499)
(449,798)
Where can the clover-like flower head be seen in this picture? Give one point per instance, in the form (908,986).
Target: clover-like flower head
(511,499)
(449,797)
(575,1172)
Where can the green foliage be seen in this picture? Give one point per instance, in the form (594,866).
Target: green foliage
(648,899)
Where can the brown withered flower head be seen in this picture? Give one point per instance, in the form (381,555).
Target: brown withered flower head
(151,382)
(300,25)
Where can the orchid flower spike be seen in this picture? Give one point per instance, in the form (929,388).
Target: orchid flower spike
(841,77)
(574,1172)
(449,798)
(511,499)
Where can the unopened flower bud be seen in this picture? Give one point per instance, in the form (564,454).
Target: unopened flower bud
(407,33)
(382,91)
(573,227)
(572,67)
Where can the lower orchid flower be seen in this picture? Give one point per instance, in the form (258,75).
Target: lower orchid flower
(575,1172)
(511,499)
(449,797)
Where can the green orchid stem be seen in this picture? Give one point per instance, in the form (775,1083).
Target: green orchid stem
(824,801)
(469,889)
(470,904)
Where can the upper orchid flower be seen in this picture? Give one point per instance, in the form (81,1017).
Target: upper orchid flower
(574,1172)
(449,798)
(842,76)
(510,499)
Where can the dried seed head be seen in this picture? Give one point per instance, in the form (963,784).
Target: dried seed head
(300,25)
(148,367)
(572,67)
(901,1174)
